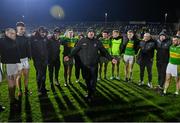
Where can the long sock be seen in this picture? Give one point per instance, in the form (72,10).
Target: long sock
(12,94)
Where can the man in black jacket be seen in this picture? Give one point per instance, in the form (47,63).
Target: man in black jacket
(39,53)
(10,56)
(88,51)
(53,56)
(145,58)
(24,51)
(162,57)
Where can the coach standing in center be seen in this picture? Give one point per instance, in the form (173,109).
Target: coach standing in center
(88,49)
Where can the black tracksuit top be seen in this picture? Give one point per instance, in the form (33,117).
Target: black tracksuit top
(23,46)
(147,50)
(39,50)
(88,50)
(9,52)
(53,50)
(162,48)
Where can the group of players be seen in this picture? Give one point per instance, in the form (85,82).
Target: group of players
(89,53)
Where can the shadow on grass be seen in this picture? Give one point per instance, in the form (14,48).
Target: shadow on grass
(61,105)
(47,109)
(99,91)
(78,91)
(28,109)
(119,109)
(66,98)
(76,94)
(124,112)
(15,112)
(77,116)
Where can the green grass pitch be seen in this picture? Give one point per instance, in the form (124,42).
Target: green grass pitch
(115,101)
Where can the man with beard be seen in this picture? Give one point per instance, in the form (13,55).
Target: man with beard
(162,57)
(173,66)
(39,53)
(54,56)
(88,49)
(10,56)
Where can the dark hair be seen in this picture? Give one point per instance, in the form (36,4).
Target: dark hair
(130,31)
(57,29)
(175,36)
(81,35)
(105,31)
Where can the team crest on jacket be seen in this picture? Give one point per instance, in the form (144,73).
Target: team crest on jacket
(95,45)
(84,44)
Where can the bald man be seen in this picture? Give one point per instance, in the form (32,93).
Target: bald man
(145,58)
(10,56)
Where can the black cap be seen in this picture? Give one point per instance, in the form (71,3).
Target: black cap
(42,29)
(57,29)
(90,29)
(162,33)
(20,24)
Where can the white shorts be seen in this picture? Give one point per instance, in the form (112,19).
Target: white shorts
(12,69)
(128,59)
(24,64)
(172,69)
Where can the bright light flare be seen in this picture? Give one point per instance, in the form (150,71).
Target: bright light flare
(57,12)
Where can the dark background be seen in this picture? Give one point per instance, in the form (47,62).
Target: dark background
(37,11)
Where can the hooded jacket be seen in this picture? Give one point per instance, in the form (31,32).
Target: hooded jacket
(162,48)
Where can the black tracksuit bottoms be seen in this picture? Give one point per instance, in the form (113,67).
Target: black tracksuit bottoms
(90,75)
(161,69)
(41,67)
(146,64)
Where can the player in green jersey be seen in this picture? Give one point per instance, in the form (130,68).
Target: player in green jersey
(172,68)
(116,43)
(103,60)
(129,49)
(68,41)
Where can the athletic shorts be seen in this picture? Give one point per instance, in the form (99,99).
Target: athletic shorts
(24,64)
(178,70)
(128,59)
(12,69)
(103,60)
(172,69)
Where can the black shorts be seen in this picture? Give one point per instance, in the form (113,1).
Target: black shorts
(103,60)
